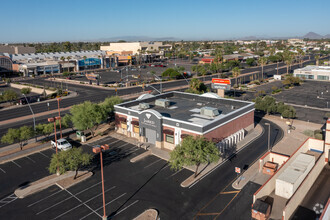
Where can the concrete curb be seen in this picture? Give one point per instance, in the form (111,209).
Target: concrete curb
(141,156)
(149,214)
(44,183)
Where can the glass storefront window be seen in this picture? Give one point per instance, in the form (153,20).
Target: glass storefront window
(169,138)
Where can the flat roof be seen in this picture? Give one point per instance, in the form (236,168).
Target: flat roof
(186,107)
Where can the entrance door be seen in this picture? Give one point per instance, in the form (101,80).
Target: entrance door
(150,136)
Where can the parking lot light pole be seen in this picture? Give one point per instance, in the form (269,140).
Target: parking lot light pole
(268,135)
(97,150)
(54,120)
(59,114)
(34,120)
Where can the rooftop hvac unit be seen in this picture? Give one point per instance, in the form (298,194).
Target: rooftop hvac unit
(209,111)
(144,106)
(162,103)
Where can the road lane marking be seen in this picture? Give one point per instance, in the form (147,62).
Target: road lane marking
(83,203)
(16,164)
(105,205)
(2,170)
(153,163)
(126,208)
(44,154)
(30,159)
(226,206)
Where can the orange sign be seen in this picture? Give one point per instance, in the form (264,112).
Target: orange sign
(221,81)
(237,170)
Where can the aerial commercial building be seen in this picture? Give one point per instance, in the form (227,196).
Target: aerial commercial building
(136,47)
(313,72)
(165,119)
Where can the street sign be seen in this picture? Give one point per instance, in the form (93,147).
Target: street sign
(221,81)
(220,86)
(237,170)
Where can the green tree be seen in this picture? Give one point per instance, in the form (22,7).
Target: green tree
(20,135)
(236,72)
(262,61)
(109,103)
(72,160)
(196,86)
(250,61)
(10,95)
(66,121)
(26,90)
(172,73)
(288,59)
(45,129)
(317,58)
(193,151)
(87,116)
(289,112)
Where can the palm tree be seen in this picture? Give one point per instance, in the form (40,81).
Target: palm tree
(288,59)
(236,72)
(301,55)
(85,62)
(317,58)
(262,61)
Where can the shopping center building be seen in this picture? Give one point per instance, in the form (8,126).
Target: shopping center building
(313,72)
(165,119)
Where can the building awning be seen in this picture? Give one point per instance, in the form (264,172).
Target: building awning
(122,119)
(167,131)
(135,123)
(184,136)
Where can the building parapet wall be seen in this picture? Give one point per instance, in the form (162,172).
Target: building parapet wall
(269,186)
(303,189)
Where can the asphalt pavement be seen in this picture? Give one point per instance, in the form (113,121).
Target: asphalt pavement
(130,188)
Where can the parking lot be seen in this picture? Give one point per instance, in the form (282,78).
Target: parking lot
(126,186)
(110,77)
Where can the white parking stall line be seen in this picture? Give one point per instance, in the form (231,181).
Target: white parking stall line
(44,198)
(153,163)
(122,145)
(30,159)
(105,205)
(83,203)
(7,200)
(2,170)
(66,199)
(16,164)
(126,207)
(115,142)
(174,174)
(44,154)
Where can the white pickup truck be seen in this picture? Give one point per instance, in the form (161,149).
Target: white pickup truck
(62,144)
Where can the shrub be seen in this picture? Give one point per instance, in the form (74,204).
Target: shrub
(318,136)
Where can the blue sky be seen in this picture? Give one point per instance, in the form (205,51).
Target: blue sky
(72,20)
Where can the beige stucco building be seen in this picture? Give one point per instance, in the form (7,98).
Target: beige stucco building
(136,47)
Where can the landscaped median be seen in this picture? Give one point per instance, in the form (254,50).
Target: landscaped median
(63,181)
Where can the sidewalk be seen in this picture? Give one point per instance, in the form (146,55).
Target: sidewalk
(13,152)
(288,145)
